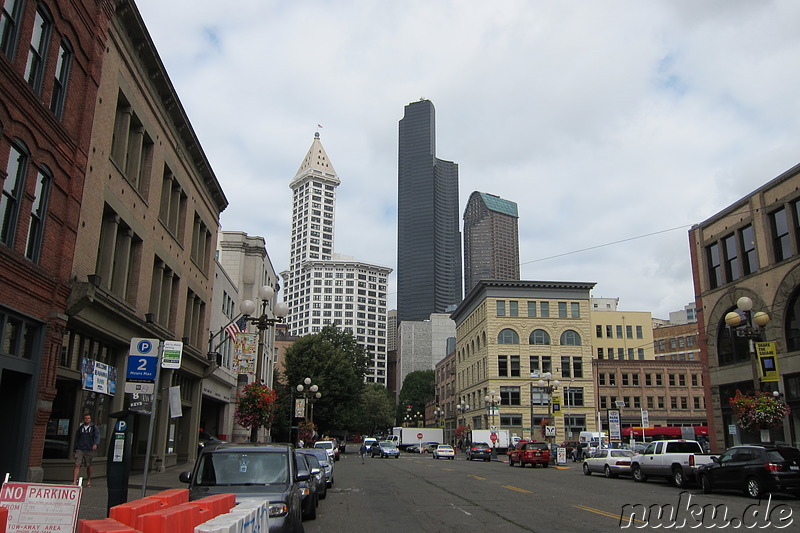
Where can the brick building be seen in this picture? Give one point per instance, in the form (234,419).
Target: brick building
(50,56)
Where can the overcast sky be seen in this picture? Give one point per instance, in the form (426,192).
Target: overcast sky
(605,121)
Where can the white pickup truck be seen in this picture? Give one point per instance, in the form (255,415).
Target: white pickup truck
(675,460)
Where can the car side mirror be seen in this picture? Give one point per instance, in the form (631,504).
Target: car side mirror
(185,477)
(302,475)
(715,459)
(315,471)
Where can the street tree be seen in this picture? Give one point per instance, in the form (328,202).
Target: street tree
(336,363)
(256,408)
(418,389)
(377,409)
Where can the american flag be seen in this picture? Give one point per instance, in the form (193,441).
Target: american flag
(235,327)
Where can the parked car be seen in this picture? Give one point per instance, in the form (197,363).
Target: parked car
(330,447)
(310,488)
(570,446)
(414,448)
(529,453)
(755,470)
(324,461)
(676,460)
(610,462)
(428,447)
(318,471)
(204,438)
(444,451)
(252,471)
(384,449)
(479,450)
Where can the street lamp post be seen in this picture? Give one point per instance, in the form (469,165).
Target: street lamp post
(743,325)
(310,394)
(263,322)
(547,384)
(438,413)
(461,409)
(491,401)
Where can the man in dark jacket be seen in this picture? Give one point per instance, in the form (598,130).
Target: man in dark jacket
(87,439)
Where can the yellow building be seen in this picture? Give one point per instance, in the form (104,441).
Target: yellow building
(509,335)
(620,335)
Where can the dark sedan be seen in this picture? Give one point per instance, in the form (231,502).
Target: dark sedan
(755,470)
(479,450)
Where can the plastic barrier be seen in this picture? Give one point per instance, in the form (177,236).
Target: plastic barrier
(172,496)
(176,519)
(129,513)
(106,525)
(217,504)
(249,517)
(3,519)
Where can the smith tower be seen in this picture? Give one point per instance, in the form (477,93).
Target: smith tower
(428,236)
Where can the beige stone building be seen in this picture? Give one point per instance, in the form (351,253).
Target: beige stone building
(144,255)
(679,342)
(751,248)
(621,335)
(509,334)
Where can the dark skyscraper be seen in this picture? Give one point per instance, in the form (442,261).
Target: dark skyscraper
(428,236)
(491,240)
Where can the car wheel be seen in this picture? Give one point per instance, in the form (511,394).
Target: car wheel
(607,472)
(586,470)
(678,478)
(705,483)
(486,460)
(752,488)
(510,462)
(521,463)
(637,474)
(545,465)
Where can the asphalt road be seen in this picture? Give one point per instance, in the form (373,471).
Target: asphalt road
(418,493)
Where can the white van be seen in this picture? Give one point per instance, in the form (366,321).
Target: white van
(593,440)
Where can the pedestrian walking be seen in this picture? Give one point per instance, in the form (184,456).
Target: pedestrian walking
(363,452)
(86,441)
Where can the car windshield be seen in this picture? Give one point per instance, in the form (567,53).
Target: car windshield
(536,446)
(327,445)
(445,448)
(388,445)
(242,468)
(321,455)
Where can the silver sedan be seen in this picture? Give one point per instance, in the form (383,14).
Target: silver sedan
(610,462)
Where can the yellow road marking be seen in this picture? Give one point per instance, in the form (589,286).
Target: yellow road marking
(511,487)
(563,467)
(477,477)
(448,469)
(605,513)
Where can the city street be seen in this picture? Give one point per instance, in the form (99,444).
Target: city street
(419,493)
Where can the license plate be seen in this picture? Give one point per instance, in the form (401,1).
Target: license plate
(794,468)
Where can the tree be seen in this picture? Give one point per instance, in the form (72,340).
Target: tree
(256,409)
(336,363)
(418,389)
(377,409)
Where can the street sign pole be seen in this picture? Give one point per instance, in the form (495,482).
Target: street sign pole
(152,422)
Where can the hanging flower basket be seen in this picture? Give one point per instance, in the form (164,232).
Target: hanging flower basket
(545,422)
(761,410)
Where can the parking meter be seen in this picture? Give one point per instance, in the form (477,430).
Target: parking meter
(119,458)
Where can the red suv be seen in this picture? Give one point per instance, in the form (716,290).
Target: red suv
(531,453)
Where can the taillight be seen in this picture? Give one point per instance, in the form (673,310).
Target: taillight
(623,463)
(775,467)
(691,460)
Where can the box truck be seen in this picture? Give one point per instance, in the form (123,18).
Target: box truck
(485,435)
(404,437)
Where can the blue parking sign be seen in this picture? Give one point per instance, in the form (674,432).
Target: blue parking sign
(142,367)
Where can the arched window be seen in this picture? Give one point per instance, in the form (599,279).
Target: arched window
(731,348)
(508,336)
(793,323)
(539,336)
(570,338)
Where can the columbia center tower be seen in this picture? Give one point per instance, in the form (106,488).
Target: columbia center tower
(429,276)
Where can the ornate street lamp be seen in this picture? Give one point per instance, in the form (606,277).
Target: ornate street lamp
(741,322)
(491,402)
(547,385)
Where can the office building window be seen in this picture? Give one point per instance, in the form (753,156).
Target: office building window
(13,187)
(508,336)
(501,308)
(509,396)
(63,63)
(172,212)
(532,309)
(570,338)
(598,331)
(513,308)
(748,243)
(577,367)
(515,368)
(714,265)
(573,396)
(575,309)
(639,333)
(37,52)
(502,365)
(547,364)
(600,353)
(534,364)
(33,246)
(781,240)
(562,309)
(731,258)
(566,367)
(9,26)
(625,380)
(544,307)
(619,331)
(510,420)
(539,336)
(601,379)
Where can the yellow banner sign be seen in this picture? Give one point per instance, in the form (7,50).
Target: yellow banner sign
(768,361)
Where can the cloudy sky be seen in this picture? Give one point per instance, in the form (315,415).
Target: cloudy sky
(614,125)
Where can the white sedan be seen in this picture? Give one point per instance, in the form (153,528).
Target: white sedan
(610,462)
(444,450)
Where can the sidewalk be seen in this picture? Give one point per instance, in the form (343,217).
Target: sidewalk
(94,499)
